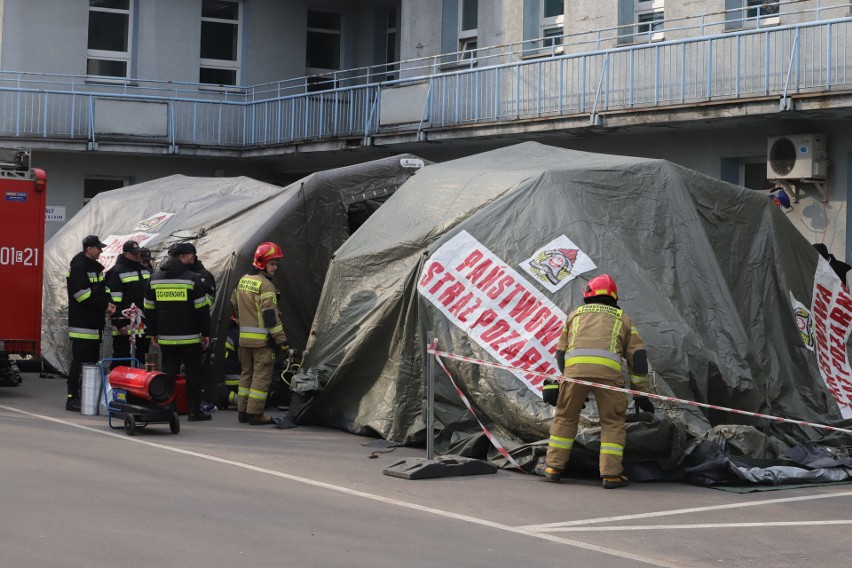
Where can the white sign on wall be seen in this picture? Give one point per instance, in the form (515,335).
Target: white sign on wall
(54,213)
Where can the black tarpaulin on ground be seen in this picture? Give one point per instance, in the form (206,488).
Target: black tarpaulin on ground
(226,218)
(706,269)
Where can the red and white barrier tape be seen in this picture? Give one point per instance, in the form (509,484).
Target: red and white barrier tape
(491,438)
(432,349)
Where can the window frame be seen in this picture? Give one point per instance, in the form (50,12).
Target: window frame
(759,19)
(107,55)
(224,64)
(468,39)
(551,24)
(322,71)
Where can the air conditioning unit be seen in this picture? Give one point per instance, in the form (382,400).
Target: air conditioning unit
(796,156)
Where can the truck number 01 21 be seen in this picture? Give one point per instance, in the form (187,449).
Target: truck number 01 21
(10,256)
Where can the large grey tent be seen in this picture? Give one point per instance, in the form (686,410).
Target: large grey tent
(728,296)
(227,218)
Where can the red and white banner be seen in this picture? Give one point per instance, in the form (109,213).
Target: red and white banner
(496,306)
(831,311)
(115,243)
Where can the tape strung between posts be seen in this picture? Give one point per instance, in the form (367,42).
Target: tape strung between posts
(491,438)
(432,349)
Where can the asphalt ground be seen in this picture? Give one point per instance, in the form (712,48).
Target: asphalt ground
(76,493)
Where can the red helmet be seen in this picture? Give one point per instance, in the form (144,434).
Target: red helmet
(602,285)
(266,252)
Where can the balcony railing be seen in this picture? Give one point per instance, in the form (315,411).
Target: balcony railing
(778,61)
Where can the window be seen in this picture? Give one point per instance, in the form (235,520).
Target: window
(322,52)
(750,13)
(97,184)
(220,42)
(757,8)
(468,24)
(649,19)
(552,22)
(109,43)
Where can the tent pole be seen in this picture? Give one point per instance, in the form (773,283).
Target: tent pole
(430,403)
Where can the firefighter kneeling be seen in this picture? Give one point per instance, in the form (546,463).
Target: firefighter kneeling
(255,306)
(594,340)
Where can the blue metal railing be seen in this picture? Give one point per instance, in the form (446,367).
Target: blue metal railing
(769,62)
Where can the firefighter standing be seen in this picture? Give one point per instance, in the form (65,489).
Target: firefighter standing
(126,281)
(88,305)
(178,319)
(255,305)
(595,339)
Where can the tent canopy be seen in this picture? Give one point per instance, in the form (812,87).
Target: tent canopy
(226,218)
(474,252)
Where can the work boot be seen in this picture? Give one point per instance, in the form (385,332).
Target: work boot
(259,419)
(199,416)
(72,404)
(242,417)
(615,481)
(552,474)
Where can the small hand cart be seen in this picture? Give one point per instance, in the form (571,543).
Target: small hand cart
(137,412)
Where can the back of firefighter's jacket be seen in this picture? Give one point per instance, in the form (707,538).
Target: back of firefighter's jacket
(255,305)
(597,339)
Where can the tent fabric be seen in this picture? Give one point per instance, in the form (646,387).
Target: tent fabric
(707,270)
(226,218)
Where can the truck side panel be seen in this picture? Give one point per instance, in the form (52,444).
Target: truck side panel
(22,217)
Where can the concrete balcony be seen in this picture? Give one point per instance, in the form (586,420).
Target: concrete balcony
(760,72)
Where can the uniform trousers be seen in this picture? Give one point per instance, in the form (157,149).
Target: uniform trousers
(257,364)
(612,409)
(190,356)
(82,351)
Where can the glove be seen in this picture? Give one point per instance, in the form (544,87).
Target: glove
(644,403)
(550,392)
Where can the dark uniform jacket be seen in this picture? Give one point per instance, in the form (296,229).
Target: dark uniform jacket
(176,307)
(207,280)
(126,282)
(88,298)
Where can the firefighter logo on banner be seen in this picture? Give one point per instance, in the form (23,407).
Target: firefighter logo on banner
(153,221)
(557,263)
(804,322)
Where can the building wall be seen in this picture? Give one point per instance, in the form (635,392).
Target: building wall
(27,22)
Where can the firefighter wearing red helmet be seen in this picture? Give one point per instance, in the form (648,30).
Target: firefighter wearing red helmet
(255,304)
(596,339)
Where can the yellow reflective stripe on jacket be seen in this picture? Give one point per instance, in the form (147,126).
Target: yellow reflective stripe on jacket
(561,443)
(242,391)
(593,360)
(117,297)
(612,449)
(201,302)
(253,333)
(83,333)
(616,330)
(149,304)
(179,339)
(638,379)
(83,295)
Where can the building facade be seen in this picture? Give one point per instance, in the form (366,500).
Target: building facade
(112,92)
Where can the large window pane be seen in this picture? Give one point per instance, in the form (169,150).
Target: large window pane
(219,41)
(469,15)
(323,50)
(220,9)
(553,8)
(108,31)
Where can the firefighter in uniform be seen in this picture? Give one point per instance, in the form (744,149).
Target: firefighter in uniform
(255,305)
(126,281)
(88,305)
(226,392)
(596,338)
(178,319)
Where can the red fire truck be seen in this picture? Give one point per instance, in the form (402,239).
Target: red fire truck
(22,215)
